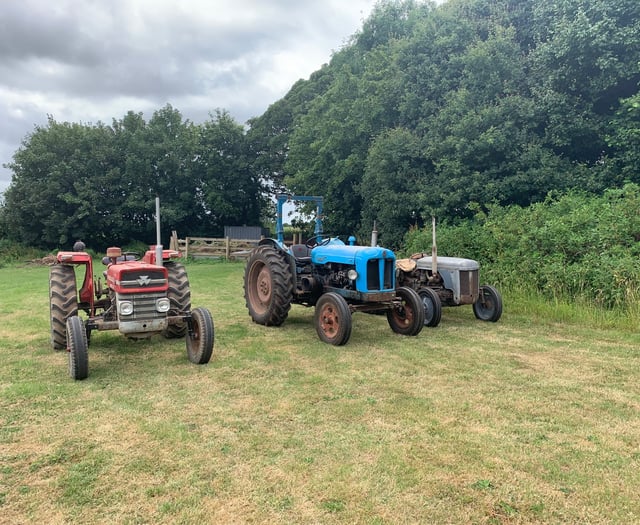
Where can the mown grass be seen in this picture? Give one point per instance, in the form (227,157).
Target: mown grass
(532,419)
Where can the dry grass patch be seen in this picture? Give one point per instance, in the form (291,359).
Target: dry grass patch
(470,422)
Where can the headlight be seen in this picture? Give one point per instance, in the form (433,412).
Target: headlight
(352,274)
(125,307)
(163,305)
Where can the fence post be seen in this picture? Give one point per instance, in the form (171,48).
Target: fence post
(226,247)
(173,243)
(186,248)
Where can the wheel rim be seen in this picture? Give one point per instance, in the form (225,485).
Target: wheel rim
(486,305)
(260,292)
(403,314)
(196,330)
(329,320)
(428,308)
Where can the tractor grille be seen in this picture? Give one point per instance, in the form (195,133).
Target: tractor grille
(144,306)
(139,278)
(380,274)
(468,283)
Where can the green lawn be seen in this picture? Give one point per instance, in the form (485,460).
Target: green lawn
(526,420)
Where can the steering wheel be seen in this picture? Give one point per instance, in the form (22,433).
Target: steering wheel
(135,256)
(312,242)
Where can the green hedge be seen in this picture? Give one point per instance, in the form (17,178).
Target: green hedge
(571,246)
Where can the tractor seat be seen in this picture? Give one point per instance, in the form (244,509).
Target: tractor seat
(302,253)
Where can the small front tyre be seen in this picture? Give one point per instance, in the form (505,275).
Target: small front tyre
(332,319)
(200,337)
(432,306)
(77,347)
(488,307)
(407,316)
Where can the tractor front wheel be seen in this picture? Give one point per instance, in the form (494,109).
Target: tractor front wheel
(488,307)
(179,295)
(432,306)
(332,318)
(268,286)
(200,340)
(78,348)
(407,316)
(63,302)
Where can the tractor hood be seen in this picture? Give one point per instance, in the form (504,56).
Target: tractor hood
(137,277)
(448,263)
(343,254)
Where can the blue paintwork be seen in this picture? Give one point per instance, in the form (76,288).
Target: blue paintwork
(337,252)
(358,256)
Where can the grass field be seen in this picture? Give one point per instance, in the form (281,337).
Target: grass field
(534,419)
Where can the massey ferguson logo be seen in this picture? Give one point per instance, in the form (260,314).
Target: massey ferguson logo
(143,280)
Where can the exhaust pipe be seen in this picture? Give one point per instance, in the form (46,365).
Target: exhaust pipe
(434,248)
(374,236)
(158,240)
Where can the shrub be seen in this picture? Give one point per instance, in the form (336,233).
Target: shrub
(571,246)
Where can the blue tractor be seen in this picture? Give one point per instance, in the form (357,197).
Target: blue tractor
(335,278)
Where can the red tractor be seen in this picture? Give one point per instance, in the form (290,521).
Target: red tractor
(140,298)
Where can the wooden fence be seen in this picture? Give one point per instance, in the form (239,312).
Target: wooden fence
(206,247)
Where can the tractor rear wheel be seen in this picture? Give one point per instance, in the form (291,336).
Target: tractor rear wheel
(432,306)
(268,286)
(407,317)
(179,295)
(200,341)
(77,348)
(488,307)
(63,302)
(332,318)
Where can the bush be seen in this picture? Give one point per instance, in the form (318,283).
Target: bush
(12,252)
(571,246)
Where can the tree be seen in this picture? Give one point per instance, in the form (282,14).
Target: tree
(99,183)
(53,167)
(395,180)
(229,191)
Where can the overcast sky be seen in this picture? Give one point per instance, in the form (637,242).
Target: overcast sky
(94,60)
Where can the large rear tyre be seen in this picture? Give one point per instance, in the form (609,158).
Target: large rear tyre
(63,302)
(432,306)
(179,295)
(332,319)
(78,348)
(268,286)
(407,317)
(488,307)
(200,341)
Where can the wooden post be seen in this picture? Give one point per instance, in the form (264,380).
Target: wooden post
(226,247)
(173,243)
(186,248)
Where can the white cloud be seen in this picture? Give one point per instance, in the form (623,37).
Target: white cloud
(89,61)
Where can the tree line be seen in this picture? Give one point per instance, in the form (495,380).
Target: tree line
(99,182)
(427,110)
(432,109)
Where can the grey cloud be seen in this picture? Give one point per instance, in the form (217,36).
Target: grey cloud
(90,60)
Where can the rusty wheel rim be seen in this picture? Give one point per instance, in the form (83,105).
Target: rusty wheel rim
(329,320)
(261,289)
(403,314)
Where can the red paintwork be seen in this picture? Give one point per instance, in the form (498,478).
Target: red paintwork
(114,272)
(150,255)
(117,270)
(81,258)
